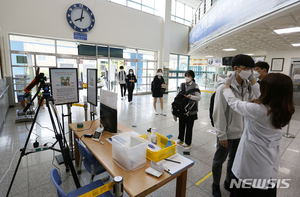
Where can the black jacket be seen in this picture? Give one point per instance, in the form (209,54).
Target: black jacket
(130,77)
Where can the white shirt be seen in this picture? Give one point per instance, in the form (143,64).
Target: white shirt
(257,156)
(122,77)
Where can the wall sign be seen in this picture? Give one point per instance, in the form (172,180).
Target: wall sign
(80,17)
(277,64)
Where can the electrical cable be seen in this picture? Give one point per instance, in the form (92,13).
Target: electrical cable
(9,166)
(90,126)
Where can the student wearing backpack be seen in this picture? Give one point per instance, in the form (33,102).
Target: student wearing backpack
(186,122)
(157,88)
(229,125)
(122,82)
(130,80)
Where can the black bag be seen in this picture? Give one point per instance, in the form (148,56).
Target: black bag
(211,109)
(181,106)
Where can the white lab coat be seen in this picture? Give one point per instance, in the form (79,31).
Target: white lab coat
(257,156)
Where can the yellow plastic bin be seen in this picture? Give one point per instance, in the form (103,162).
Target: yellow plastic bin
(164,152)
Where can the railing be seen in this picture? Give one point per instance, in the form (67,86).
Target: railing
(2,94)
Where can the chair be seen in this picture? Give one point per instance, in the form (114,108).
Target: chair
(82,190)
(90,162)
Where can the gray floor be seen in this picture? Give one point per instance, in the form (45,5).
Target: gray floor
(33,177)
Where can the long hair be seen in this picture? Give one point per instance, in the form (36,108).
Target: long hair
(277,93)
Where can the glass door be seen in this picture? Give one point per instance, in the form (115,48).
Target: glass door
(295,75)
(113,71)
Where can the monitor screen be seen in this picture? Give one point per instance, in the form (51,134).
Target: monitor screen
(108,118)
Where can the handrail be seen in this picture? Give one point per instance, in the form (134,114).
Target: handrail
(2,94)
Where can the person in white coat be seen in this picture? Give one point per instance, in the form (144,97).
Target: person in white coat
(257,157)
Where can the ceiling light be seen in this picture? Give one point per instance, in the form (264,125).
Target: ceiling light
(249,54)
(287,30)
(229,49)
(296,44)
(209,56)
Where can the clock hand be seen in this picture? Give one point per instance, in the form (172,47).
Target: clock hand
(81,15)
(79,19)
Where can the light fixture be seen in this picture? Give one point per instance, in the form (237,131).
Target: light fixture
(249,54)
(229,49)
(209,56)
(287,30)
(296,45)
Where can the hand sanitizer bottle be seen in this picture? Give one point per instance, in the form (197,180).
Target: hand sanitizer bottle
(154,137)
(148,137)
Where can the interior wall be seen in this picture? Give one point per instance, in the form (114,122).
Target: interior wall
(287,55)
(115,24)
(179,38)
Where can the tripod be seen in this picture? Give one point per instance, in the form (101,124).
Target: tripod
(60,139)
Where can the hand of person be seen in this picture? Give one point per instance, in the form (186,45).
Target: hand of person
(188,96)
(131,80)
(224,143)
(251,77)
(163,85)
(230,78)
(119,82)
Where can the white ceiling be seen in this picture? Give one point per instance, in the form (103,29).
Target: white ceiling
(257,39)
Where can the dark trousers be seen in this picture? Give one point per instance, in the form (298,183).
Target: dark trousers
(186,124)
(219,158)
(130,92)
(123,89)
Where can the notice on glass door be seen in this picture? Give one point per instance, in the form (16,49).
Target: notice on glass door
(92,86)
(64,85)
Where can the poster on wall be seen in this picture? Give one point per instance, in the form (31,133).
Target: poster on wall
(92,86)
(64,85)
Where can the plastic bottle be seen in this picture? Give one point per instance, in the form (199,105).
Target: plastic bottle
(153,137)
(169,140)
(148,137)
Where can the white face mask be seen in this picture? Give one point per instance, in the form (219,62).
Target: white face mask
(187,79)
(244,74)
(122,69)
(131,73)
(256,74)
(160,74)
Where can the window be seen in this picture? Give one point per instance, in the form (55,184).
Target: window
(213,1)
(204,7)
(149,6)
(178,65)
(181,13)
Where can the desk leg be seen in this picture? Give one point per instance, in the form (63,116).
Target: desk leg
(181,184)
(76,152)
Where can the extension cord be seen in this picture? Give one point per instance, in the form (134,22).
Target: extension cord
(40,148)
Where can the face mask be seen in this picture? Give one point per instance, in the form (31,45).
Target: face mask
(131,73)
(244,74)
(187,79)
(122,70)
(160,74)
(256,74)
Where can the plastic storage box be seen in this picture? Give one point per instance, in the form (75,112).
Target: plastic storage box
(129,151)
(164,152)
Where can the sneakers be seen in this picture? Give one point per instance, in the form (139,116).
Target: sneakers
(130,103)
(163,114)
(155,112)
(185,146)
(178,141)
(175,118)
(216,192)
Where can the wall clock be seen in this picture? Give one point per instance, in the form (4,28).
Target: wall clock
(80,18)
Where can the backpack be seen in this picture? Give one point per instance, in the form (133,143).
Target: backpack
(211,106)
(181,105)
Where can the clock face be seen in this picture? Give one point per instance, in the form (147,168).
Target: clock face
(80,18)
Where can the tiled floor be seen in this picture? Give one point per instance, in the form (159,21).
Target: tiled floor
(33,177)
